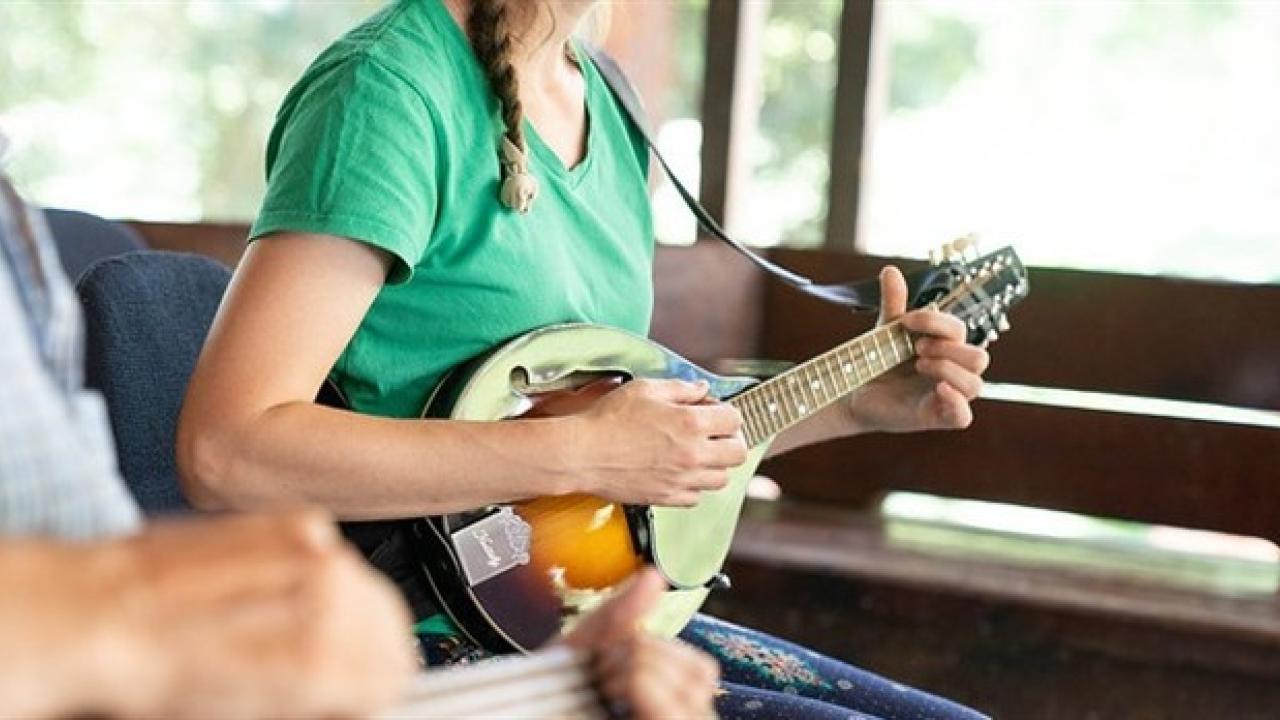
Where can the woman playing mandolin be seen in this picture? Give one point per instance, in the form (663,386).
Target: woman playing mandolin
(447,176)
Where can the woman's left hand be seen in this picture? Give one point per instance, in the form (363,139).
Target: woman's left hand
(934,391)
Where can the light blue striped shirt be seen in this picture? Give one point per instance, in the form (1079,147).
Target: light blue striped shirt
(58,471)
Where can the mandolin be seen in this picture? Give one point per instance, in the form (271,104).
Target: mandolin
(514,576)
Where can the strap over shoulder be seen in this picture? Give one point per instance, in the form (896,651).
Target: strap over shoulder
(858,296)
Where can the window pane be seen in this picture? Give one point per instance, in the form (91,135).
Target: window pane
(1130,135)
(786,198)
(154,109)
(792,67)
(662,46)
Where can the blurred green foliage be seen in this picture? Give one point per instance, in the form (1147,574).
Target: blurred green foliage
(929,59)
(217,70)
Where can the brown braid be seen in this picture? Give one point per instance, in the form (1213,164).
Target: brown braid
(492,30)
(493,40)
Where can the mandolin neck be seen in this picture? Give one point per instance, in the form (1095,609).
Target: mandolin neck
(784,400)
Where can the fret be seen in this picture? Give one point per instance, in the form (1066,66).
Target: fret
(759,422)
(743,404)
(861,355)
(876,354)
(826,368)
(786,400)
(801,406)
(816,385)
(768,419)
(909,346)
(808,390)
(785,412)
(897,359)
(763,419)
(845,379)
(771,411)
(850,363)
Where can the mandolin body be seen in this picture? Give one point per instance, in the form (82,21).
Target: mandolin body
(514,576)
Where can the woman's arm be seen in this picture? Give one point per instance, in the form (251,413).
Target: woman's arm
(251,436)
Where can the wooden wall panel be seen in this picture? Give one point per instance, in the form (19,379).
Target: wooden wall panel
(707,303)
(1176,472)
(223,242)
(848,125)
(1157,337)
(707,306)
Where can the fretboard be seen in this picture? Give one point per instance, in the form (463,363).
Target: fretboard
(785,399)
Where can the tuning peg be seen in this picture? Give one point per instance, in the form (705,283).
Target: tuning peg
(992,336)
(935,256)
(965,244)
(1002,323)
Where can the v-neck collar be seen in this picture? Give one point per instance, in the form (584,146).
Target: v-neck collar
(547,157)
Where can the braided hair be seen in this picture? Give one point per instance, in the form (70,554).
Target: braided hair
(492,31)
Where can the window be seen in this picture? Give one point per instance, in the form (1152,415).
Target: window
(161,110)
(1133,136)
(789,69)
(154,110)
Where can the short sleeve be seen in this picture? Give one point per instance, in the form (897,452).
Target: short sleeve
(353,154)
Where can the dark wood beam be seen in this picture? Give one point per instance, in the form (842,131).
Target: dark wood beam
(847,128)
(1150,336)
(730,100)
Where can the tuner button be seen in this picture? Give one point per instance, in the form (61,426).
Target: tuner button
(962,243)
(992,336)
(935,257)
(1002,323)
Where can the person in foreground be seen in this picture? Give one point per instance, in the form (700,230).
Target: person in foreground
(257,615)
(447,176)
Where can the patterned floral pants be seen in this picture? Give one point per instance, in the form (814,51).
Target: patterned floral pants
(770,679)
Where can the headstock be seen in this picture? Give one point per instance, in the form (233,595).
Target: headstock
(978,289)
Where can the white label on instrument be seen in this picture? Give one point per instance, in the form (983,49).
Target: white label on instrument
(492,546)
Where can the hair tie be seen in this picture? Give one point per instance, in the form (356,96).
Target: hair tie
(519,186)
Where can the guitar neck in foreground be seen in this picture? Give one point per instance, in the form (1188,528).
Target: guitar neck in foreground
(555,683)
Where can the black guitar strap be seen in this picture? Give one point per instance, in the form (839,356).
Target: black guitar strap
(858,296)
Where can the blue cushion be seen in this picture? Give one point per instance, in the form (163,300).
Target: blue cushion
(83,239)
(146,316)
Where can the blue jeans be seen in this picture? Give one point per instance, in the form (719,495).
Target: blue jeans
(767,678)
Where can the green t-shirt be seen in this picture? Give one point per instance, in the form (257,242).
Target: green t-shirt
(390,138)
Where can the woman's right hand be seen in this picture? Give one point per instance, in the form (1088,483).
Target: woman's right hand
(658,442)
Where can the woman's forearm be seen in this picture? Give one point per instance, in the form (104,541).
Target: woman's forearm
(363,467)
